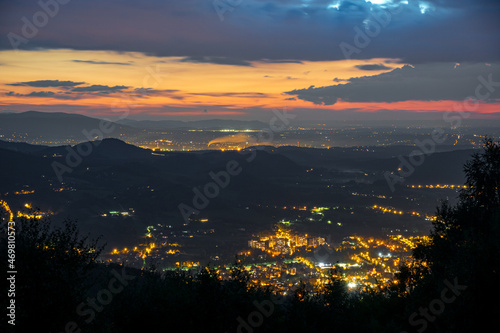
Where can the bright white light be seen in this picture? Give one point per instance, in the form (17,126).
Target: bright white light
(352,284)
(380,2)
(335,5)
(321,264)
(387,3)
(424,7)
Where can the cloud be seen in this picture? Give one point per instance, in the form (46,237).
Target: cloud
(280,61)
(32,94)
(71,92)
(217,61)
(47,83)
(469,30)
(150,92)
(67,95)
(373,67)
(100,89)
(72,85)
(153,92)
(424,82)
(102,62)
(233,94)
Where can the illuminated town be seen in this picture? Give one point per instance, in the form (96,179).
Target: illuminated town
(283,258)
(27,212)
(280,258)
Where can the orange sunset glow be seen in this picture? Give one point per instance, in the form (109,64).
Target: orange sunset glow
(168,84)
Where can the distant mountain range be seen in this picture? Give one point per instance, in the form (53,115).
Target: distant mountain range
(59,125)
(107,148)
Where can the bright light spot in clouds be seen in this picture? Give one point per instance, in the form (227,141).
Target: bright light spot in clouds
(335,5)
(380,2)
(387,3)
(352,285)
(424,7)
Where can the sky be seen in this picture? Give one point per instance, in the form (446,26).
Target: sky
(240,59)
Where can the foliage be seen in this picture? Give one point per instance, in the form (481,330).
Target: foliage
(465,246)
(53,264)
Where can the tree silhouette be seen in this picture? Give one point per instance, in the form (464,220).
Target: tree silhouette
(52,266)
(465,247)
